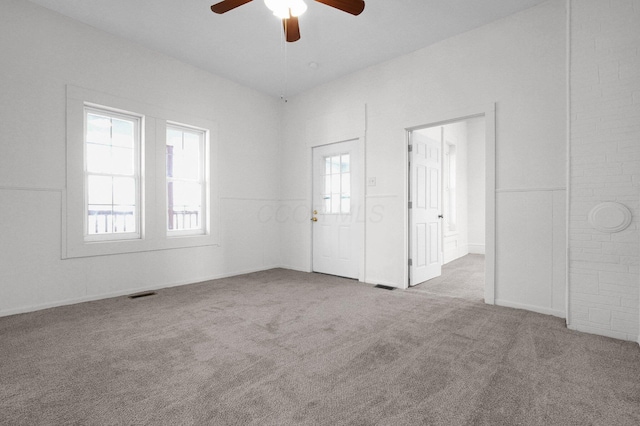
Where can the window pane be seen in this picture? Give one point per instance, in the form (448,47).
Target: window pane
(335,203)
(174,137)
(327,165)
(335,165)
(98,158)
(123,161)
(327,204)
(122,133)
(124,191)
(184,209)
(187,194)
(345,164)
(327,184)
(335,183)
(99,219)
(183,154)
(345,204)
(98,129)
(124,219)
(100,190)
(191,144)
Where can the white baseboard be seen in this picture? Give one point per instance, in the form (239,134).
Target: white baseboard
(456,253)
(75,300)
(588,328)
(476,248)
(294,268)
(375,281)
(533,308)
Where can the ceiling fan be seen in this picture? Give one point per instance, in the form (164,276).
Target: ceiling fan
(289,10)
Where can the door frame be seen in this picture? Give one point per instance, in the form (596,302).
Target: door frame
(487,111)
(361,214)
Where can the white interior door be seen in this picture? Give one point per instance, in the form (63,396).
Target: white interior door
(426,208)
(337,191)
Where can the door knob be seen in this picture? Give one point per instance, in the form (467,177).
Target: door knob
(440,216)
(314,219)
(315,212)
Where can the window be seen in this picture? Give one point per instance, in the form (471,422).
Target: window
(127,170)
(337,184)
(186,183)
(112,174)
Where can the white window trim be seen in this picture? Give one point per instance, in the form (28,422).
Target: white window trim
(153,188)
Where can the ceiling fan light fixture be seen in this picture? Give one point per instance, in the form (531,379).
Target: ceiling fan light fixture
(281,8)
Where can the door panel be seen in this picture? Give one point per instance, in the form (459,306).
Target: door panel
(337,191)
(425,224)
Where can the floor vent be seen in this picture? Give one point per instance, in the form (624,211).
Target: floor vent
(143,294)
(385,287)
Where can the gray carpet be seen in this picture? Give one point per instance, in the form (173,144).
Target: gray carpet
(283,347)
(463,277)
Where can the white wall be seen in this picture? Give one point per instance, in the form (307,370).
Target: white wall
(476,185)
(605,165)
(517,62)
(41,53)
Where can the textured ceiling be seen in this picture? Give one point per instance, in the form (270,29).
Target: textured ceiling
(245,45)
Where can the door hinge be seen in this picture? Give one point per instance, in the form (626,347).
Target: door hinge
(410,205)
(410,148)
(410,262)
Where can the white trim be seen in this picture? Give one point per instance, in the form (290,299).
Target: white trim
(600,331)
(568,121)
(476,248)
(533,308)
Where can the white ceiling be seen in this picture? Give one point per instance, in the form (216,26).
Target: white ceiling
(245,45)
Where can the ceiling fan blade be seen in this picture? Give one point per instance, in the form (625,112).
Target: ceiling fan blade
(291,29)
(227,5)
(354,7)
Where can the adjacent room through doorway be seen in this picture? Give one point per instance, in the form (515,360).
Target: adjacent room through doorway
(447,176)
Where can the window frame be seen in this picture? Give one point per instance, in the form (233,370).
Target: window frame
(204,172)
(137,175)
(328,192)
(152,179)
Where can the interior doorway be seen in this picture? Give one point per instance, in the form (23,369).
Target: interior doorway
(447,207)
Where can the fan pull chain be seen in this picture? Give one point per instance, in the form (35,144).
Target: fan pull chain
(283,43)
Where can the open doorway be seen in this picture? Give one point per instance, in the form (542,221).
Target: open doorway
(447,208)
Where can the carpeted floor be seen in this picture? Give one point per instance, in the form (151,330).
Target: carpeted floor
(282,347)
(463,277)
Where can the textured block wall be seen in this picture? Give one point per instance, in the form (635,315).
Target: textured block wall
(604,164)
